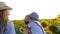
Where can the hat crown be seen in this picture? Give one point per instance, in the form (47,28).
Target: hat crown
(34,15)
(2,4)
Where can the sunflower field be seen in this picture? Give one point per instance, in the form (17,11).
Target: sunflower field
(45,22)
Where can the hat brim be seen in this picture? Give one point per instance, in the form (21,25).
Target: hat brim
(5,7)
(9,8)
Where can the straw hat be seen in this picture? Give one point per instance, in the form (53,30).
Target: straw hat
(4,6)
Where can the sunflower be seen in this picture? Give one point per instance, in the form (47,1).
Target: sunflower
(21,30)
(51,29)
(44,24)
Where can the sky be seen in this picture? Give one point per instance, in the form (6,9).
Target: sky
(45,8)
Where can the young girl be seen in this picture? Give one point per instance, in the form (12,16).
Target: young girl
(6,27)
(26,28)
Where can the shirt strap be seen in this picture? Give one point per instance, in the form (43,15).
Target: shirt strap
(40,27)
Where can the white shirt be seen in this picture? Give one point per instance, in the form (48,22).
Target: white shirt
(35,29)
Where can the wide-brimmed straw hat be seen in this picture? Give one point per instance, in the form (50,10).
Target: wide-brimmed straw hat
(4,6)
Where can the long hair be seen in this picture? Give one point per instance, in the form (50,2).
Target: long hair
(3,20)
